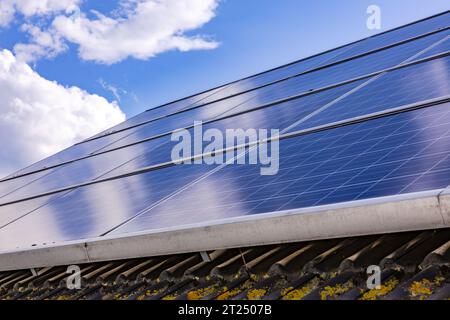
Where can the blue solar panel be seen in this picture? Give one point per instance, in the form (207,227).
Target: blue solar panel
(9,186)
(345,52)
(280,116)
(441,47)
(158,150)
(404,152)
(341,72)
(294,86)
(400,87)
(351,69)
(164,110)
(404,86)
(407,32)
(288,71)
(368,159)
(9,214)
(90,211)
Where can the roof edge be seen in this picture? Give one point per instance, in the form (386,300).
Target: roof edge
(400,213)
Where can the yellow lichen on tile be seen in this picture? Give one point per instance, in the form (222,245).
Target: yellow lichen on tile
(297,294)
(254,277)
(228,294)
(286,290)
(424,288)
(256,294)
(170,297)
(200,293)
(420,288)
(154,292)
(333,291)
(385,288)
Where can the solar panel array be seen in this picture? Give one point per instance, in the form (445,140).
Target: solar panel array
(369,119)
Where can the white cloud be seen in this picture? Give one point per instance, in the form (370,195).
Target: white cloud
(137,28)
(39,117)
(45,44)
(29,8)
(114,90)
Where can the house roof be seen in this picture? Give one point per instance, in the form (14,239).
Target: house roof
(413,265)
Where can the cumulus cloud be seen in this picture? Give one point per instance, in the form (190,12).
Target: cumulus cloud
(29,8)
(137,28)
(45,44)
(39,117)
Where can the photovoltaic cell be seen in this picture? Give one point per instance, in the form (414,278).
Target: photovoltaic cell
(349,70)
(74,173)
(74,152)
(346,52)
(9,186)
(440,48)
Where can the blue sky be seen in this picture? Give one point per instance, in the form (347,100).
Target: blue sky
(254,35)
(71,68)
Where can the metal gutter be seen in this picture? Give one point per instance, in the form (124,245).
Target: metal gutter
(399,213)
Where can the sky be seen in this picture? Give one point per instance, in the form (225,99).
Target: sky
(71,68)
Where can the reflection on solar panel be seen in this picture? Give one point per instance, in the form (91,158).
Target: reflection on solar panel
(369,120)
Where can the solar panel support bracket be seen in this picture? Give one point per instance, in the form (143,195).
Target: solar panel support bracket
(205,256)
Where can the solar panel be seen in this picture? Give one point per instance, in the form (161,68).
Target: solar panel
(363,121)
(315,80)
(405,86)
(395,89)
(164,110)
(334,74)
(370,159)
(379,157)
(332,56)
(154,151)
